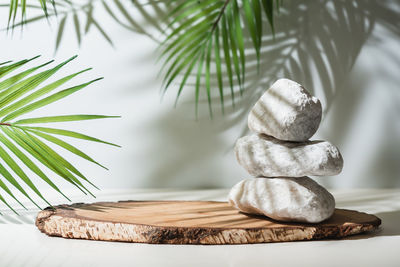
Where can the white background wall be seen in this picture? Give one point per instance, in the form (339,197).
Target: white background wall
(163,146)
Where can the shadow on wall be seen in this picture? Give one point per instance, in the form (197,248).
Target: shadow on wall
(316,44)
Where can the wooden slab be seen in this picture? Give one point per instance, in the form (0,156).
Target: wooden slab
(189,222)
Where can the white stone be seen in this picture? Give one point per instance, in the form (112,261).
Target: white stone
(263,155)
(286,111)
(285,199)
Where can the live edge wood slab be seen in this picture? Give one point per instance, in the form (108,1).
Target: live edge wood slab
(189,222)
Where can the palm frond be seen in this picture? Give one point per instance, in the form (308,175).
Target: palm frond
(82,16)
(16,5)
(21,94)
(212,35)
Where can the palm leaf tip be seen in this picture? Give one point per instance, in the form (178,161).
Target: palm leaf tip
(16,7)
(20,95)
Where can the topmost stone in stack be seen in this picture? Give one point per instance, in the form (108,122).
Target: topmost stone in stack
(287,112)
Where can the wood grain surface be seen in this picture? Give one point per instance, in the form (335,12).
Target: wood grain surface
(189,222)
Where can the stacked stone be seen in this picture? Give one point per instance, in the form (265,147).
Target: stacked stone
(281,156)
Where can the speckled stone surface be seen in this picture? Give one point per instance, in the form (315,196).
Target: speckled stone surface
(284,199)
(266,156)
(286,111)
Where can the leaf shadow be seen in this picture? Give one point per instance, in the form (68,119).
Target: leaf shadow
(86,16)
(316,44)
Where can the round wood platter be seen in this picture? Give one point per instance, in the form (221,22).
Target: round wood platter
(189,222)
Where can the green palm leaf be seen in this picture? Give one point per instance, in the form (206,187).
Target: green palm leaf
(204,31)
(16,5)
(21,94)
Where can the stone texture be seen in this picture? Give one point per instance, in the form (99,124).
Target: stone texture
(284,199)
(266,156)
(286,111)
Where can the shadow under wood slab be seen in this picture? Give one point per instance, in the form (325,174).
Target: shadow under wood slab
(189,222)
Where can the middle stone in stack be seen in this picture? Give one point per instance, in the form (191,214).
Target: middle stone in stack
(284,118)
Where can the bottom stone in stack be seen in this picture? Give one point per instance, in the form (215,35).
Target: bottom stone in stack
(299,199)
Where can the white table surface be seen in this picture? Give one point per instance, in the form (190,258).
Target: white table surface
(21,244)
